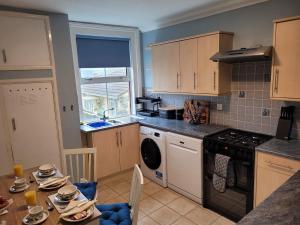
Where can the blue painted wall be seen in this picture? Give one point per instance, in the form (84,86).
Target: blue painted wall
(252,25)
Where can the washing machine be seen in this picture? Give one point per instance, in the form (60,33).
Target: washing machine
(153,155)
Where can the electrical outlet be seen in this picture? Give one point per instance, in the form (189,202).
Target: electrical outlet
(219,107)
(265,112)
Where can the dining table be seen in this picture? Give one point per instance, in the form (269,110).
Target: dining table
(18,209)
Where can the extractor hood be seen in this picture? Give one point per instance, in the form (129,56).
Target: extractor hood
(244,55)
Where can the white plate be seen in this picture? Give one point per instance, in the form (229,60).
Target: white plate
(90,212)
(39,174)
(54,187)
(10,201)
(13,189)
(44,217)
(57,199)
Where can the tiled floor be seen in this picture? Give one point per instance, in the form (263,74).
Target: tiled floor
(158,206)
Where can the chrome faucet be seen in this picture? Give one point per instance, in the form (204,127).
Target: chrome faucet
(104,116)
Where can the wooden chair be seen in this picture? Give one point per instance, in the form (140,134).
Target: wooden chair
(125,212)
(80,164)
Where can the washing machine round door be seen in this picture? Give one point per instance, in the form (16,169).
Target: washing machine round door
(150,153)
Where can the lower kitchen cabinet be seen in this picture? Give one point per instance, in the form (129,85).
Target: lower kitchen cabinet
(117,148)
(129,146)
(270,173)
(108,161)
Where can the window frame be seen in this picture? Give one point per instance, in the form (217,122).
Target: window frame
(134,72)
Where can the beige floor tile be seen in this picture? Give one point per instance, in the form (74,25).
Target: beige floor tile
(223,221)
(182,205)
(183,221)
(121,188)
(147,180)
(118,199)
(147,221)
(152,188)
(149,205)
(201,216)
(101,187)
(141,214)
(164,216)
(143,196)
(165,196)
(105,195)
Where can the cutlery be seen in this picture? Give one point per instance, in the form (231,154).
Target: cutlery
(49,206)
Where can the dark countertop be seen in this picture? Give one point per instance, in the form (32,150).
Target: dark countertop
(282,207)
(181,127)
(176,126)
(284,148)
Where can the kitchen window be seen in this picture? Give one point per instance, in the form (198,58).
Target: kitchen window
(107,66)
(105,88)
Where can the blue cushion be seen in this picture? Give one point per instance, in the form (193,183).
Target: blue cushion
(87,189)
(115,214)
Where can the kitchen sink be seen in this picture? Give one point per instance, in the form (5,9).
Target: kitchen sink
(115,121)
(99,124)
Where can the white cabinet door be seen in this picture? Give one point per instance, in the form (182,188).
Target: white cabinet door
(24,42)
(5,151)
(32,126)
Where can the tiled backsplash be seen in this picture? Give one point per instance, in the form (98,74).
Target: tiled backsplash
(253,112)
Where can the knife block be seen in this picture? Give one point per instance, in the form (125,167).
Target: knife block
(285,123)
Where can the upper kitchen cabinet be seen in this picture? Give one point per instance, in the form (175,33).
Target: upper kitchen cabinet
(165,63)
(188,66)
(24,41)
(184,65)
(285,68)
(214,78)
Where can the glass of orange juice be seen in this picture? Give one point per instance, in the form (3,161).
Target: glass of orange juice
(18,169)
(30,197)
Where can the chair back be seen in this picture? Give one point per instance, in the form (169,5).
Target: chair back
(80,164)
(135,193)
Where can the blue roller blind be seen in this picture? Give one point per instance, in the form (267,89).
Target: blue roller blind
(99,52)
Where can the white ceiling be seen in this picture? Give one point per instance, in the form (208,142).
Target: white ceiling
(144,14)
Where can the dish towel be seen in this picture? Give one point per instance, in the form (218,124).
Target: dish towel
(223,173)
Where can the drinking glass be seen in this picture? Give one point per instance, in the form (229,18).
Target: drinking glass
(18,169)
(30,197)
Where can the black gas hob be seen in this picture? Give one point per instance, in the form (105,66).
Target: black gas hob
(239,145)
(239,138)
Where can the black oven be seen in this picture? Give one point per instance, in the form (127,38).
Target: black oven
(237,200)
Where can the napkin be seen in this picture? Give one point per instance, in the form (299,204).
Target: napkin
(78,209)
(53,181)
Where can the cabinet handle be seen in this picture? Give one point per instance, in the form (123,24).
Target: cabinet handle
(276,80)
(13,123)
(279,166)
(194,81)
(117,136)
(4,56)
(181,142)
(177,80)
(121,142)
(214,80)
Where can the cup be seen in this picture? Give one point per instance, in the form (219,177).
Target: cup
(20,182)
(36,211)
(18,169)
(30,197)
